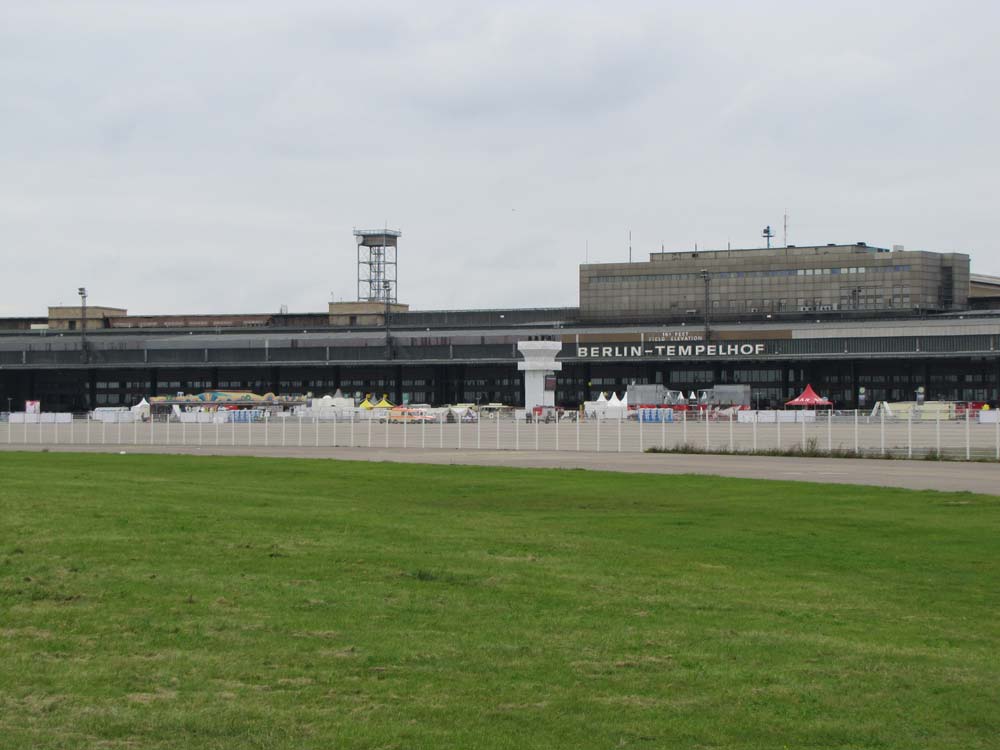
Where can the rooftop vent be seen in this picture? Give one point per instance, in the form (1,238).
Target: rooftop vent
(897,248)
(862,244)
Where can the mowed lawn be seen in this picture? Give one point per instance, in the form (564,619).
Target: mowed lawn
(190,602)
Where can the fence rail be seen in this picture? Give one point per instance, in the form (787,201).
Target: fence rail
(850,433)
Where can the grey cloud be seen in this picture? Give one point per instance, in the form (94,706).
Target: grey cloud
(136,138)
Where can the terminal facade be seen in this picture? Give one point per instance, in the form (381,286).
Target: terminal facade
(920,322)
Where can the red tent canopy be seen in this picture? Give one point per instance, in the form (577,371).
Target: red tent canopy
(808,397)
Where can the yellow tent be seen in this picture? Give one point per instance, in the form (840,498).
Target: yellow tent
(384,403)
(366,404)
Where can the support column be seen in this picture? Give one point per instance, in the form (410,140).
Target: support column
(91,389)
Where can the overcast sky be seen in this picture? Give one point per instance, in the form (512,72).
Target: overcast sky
(199,156)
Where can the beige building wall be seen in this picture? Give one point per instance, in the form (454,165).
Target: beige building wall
(71,318)
(362,314)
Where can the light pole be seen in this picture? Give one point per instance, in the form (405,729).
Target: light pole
(82,291)
(386,288)
(707,278)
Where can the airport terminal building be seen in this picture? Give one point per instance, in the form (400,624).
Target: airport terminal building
(841,317)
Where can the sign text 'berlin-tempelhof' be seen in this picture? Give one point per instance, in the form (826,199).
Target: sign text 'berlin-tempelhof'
(671,350)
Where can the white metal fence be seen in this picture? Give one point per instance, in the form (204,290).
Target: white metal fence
(843,432)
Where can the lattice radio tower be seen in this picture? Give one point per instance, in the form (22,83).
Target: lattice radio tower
(377,264)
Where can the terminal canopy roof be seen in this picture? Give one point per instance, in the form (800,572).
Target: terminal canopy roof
(808,397)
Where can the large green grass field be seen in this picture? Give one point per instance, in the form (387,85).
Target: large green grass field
(187,602)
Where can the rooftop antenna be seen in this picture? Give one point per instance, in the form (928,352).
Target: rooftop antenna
(630,246)
(587,251)
(784,237)
(767,234)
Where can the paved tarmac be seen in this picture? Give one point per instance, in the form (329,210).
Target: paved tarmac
(981,478)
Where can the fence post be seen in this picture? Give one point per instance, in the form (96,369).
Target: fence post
(619,433)
(104,432)
(803,430)
(119,430)
(249,429)
(557,431)
(369,428)
(441,432)
(829,430)
(909,435)
(598,432)
(855,432)
(996,429)
(284,425)
(387,430)
(536,432)
(731,432)
(335,431)
(937,431)
(638,414)
(708,439)
(71,425)
(459,425)
(316,427)
(496,416)
(663,428)
(479,431)
(684,431)
(184,439)
(968,445)
(517,434)
(777,421)
(882,429)
(352,427)
(579,418)
(405,420)
(755,431)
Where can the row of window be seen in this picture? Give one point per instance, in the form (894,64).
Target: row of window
(846,270)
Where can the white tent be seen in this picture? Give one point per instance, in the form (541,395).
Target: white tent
(602,399)
(614,400)
(141,410)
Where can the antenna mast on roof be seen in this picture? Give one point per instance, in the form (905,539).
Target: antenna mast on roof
(784,237)
(767,234)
